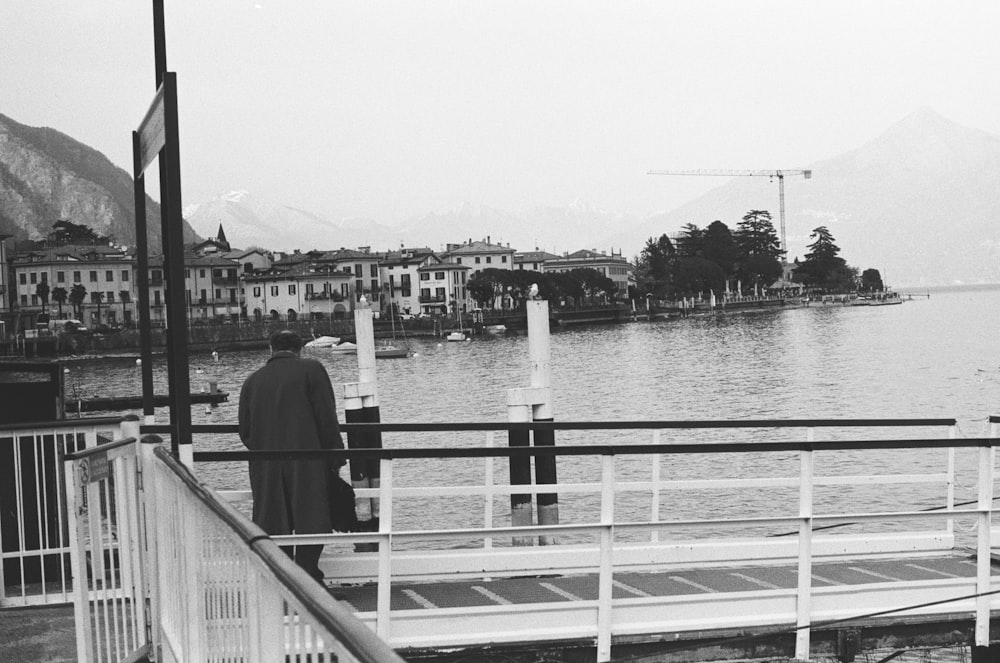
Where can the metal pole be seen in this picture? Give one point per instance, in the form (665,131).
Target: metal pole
(142,283)
(781,210)
(173,248)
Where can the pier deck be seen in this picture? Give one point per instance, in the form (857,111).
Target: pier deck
(437,607)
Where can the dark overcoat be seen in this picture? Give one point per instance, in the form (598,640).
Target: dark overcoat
(289,404)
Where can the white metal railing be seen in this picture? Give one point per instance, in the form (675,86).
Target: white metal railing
(223,591)
(399,556)
(106,545)
(34,558)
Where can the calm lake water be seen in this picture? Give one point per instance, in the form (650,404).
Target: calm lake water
(935,357)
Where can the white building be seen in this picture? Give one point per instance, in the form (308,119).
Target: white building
(399,273)
(442,288)
(479,255)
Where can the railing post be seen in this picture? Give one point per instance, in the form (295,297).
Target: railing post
(541,381)
(950,497)
(148,501)
(81,603)
(804,596)
(488,487)
(383,605)
(520,468)
(983,560)
(654,515)
(606,577)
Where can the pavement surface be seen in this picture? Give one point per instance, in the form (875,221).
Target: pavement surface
(45,634)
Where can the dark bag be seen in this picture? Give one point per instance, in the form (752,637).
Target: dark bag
(341,498)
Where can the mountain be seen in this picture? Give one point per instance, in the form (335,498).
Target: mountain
(46,176)
(250,220)
(919,202)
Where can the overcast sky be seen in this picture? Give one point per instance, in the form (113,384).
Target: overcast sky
(390,110)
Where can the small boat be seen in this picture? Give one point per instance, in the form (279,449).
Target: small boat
(389,351)
(323,342)
(345,348)
(495,329)
(457,336)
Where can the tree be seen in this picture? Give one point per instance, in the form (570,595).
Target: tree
(652,266)
(823,267)
(42,291)
(760,250)
(66,232)
(59,297)
(756,235)
(689,243)
(696,275)
(595,285)
(871,281)
(719,246)
(77,295)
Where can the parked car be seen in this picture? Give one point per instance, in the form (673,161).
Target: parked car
(68,326)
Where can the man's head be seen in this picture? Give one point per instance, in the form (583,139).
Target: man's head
(286,340)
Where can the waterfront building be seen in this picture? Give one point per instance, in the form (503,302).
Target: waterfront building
(614,266)
(479,255)
(443,288)
(532,261)
(316,284)
(399,276)
(93,284)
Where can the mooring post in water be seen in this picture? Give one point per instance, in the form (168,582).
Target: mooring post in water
(534,403)
(361,406)
(541,380)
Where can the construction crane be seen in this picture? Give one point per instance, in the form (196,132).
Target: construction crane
(780,174)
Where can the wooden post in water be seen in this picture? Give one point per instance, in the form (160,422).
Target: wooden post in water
(534,403)
(361,406)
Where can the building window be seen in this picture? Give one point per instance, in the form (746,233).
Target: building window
(204,297)
(24,278)
(201,273)
(357,269)
(463,277)
(109,276)
(374,270)
(425,293)
(45,277)
(24,300)
(156,298)
(34,300)
(76,277)
(34,277)
(256,292)
(439,276)
(477,260)
(309,288)
(93,276)
(95,297)
(291,289)
(274,291)
(503,258)
(60,277)
(439,294)
(218,294)
(109,296)
(187,273)
(425,276)
(217,273)
(458,261)
(489,259)
(124,275)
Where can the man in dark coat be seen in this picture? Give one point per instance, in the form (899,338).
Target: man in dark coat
(289,404)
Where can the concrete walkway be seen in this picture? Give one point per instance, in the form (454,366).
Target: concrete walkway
(45,634)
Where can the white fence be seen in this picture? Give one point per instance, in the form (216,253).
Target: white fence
(817,529)
(34,559)
(223,591)
(107,545)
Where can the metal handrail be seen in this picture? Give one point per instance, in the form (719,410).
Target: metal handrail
(350,632)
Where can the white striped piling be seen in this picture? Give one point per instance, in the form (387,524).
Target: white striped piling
(534,403)
(361,405)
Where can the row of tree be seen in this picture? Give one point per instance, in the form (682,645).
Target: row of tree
(75,296)
(705,259)
(577,286)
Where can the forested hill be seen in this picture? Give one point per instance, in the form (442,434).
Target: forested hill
(46,176)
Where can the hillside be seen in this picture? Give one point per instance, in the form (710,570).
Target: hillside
(46,176)
(919,202)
